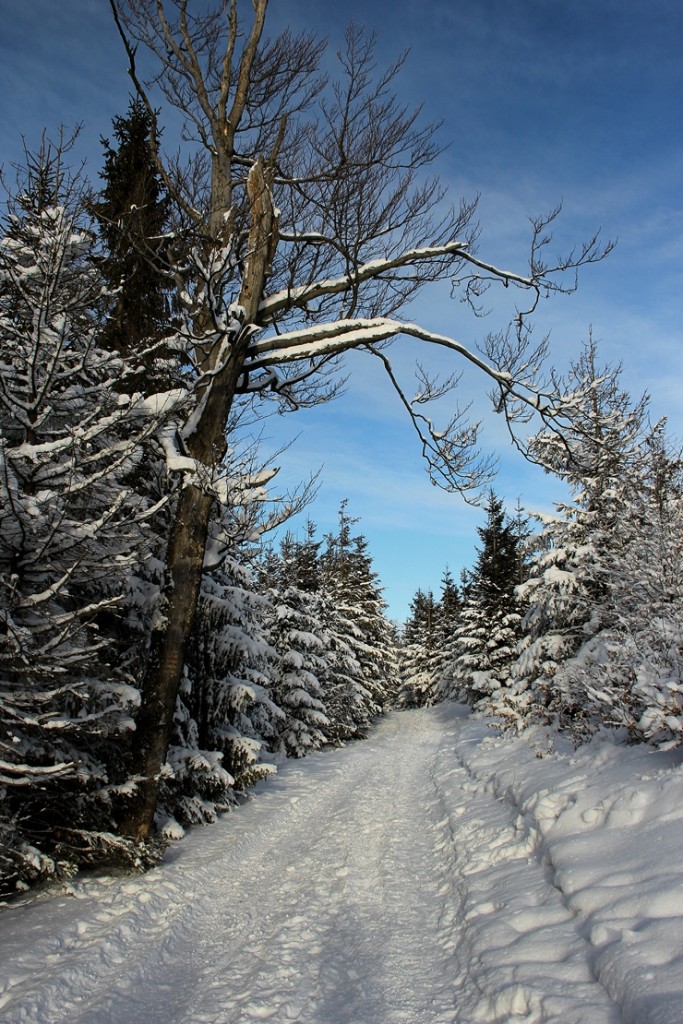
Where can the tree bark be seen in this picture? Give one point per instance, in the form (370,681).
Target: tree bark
(187,541)
(168,651)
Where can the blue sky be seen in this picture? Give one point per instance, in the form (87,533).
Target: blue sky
(542,101)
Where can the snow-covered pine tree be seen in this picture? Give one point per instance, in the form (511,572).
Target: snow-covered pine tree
(566,594)
(489,623)
(225,717)
(631,670)
(294,630)
(133,213)
(377,653)
(357,619)
(71,527)
(417,652)
(227,723)
(449,613)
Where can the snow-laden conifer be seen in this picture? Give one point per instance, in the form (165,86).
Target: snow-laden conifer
(631,670)
(488,626)
(567,594)
(417,652)
(358,621)
(225,717)
(295,629)
(71,529)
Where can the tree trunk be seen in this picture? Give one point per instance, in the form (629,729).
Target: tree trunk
(168,651)
(187,541)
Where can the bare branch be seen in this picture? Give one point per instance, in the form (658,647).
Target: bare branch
(543,278)
(452,455)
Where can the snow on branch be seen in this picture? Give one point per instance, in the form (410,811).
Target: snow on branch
(28,774)
(288,297)
(344,335)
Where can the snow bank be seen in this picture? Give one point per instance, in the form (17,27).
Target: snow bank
(605,823)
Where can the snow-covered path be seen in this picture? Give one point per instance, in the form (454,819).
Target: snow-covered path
(385,883)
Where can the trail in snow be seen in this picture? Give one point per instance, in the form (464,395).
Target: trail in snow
(385,883)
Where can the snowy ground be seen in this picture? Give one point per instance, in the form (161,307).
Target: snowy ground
(433,874)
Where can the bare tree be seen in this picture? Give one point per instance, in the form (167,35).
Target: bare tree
(308,222)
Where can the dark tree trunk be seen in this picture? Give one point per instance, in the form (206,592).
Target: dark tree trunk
(168,651)
(187,541)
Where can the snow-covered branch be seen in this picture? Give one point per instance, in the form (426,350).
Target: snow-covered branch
(300,295)
(29,774)
(345,335)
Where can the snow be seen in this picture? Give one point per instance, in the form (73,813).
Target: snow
(365,271)
(435,873)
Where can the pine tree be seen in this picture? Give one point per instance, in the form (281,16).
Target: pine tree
(450,604)
(357,620)
(449,615)
(377,651)
(133,212)
(225,718)
(71,527)
(489,623)
(497,568)
(567,593)
(417,651)
(630,672)
(335,649)
(294,630)
(227,725)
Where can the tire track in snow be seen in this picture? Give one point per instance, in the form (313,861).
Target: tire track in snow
(317,902)
(352,934)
